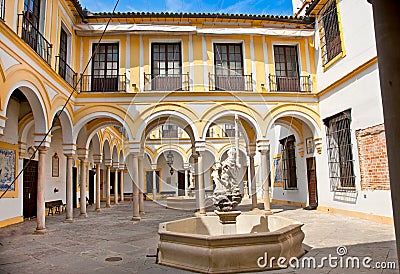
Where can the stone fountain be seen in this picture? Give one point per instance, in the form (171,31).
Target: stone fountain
(228,240)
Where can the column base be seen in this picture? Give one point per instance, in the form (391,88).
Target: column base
(142,213)
(83,215)
(134,218)
(40,231)
(108,206)
(68,220)
(255,209)
(116,203)
(268,212)
(98,210)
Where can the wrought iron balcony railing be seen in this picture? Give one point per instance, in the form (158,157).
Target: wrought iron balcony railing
(289,84)
(103,83)
(32,36)
(166,82)
(66,72)
(230,82)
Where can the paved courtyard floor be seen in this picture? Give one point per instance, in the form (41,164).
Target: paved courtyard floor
(87,245)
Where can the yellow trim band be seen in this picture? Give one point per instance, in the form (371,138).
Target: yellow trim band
(11,221)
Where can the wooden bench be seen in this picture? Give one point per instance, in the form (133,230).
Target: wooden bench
(57,205)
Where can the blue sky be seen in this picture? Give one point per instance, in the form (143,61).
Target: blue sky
(272,7)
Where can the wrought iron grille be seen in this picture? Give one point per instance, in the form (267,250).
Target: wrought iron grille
(330,41)
(166,82)
(340,156)
(65,71)
(230,82)
(289,162)
(289,84)
(32,36)
(103,83)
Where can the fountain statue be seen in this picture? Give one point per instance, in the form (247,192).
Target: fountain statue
(226,179)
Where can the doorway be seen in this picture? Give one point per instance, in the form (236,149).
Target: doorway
(30,188)
(91,186)
(149,181)
(312,183)
(181,183)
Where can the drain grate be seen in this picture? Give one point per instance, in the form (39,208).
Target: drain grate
(113,259)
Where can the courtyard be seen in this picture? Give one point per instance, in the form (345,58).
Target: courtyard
(109,242)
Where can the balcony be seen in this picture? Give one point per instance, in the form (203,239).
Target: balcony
(289,84)
(167,82)
(103,83)
(66,72)
(230,82)
(32,36)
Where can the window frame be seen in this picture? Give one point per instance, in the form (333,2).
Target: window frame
(326,63)
(341,157)
(227,45)
(289,165)
(98,78)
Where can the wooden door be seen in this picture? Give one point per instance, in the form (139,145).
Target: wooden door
(30,188)
(181,183)
(91,186)
(74,186)
(312,183)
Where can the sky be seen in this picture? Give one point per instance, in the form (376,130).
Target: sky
(271,7)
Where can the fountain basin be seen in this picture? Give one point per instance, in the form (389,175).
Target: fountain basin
(198,243)
(182,202)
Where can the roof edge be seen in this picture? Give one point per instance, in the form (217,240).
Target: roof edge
(312,6)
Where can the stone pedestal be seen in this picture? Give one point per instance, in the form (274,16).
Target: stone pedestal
(228,221)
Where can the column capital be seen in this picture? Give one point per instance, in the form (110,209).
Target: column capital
(3,120)
(186,166)
(153,166)
(199,146)
(39,137)
(122,166)
(108,162)
(69,149)
(251,151)
(115,165)
(263,146)
(83,154)
(97,158)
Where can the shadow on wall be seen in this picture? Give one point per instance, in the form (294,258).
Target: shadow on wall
(345,197)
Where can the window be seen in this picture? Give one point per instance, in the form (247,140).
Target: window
(286,68)
(228,61)
(63,53)
(2,9)
(170,131)
(229,130)
(31,10)
(105,67)
(340,156)
(166,69)
(289,162)
(331,45)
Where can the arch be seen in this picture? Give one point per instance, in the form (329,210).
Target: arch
(152,154)
(307,115)
(106,150)
(96,144)
(208,149)
(160,118)
(66,124)
(244,117)
(115,154)
(36,103)
(93,113)
(225,148)
(166,148)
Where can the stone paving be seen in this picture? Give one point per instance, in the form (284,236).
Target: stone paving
(86,245)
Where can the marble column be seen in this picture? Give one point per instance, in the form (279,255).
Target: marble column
(186,166)
(122,174)
(41,210)
(116,186)
(69,190)
(202,193)
(135,187)
(265,170)
(108,184)
(154,167)
(387,37)
(83,188)
(98,198)
(252,183)
(141,184)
